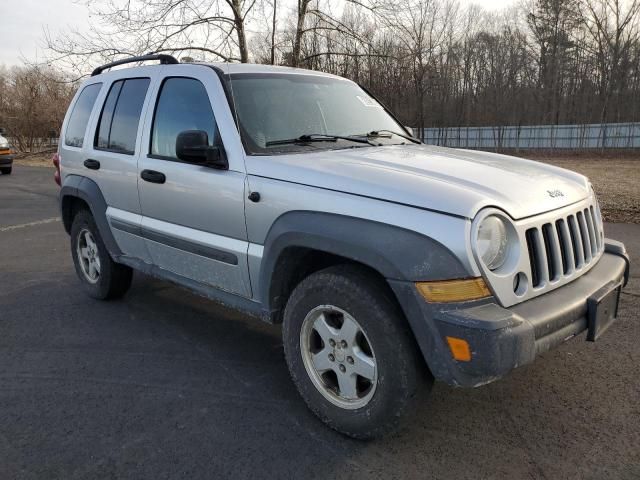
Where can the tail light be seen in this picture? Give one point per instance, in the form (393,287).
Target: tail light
(56,163)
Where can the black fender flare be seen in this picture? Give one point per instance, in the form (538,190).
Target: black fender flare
(87,190)
(396,253)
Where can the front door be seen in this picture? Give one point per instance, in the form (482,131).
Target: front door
(193,215)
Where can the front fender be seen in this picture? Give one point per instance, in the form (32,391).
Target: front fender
(396,253)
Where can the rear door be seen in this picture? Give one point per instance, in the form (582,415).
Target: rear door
(112,159)
(193,215)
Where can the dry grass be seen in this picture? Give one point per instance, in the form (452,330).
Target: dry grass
(616,179)
(35,160)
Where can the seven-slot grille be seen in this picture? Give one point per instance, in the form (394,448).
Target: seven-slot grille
(558,249)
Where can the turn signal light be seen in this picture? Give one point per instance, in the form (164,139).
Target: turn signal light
(459,349)
(453,290)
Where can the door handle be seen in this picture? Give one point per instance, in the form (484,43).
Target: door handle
(153,176)
(92,164)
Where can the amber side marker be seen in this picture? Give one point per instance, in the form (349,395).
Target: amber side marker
(453,290)
(459,349)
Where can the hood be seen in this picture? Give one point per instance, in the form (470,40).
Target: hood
(457,182)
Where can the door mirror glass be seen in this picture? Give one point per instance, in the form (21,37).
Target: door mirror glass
(193,146)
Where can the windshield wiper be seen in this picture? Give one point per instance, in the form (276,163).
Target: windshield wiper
(388,133)
(315,137)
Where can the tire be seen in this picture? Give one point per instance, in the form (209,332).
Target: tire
(6,170)
(348,295)
(112,279)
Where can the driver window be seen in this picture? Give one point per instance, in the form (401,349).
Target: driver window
(183,104)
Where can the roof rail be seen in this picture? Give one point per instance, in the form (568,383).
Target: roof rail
(164,60)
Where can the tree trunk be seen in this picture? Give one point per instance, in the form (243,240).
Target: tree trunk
(297,42)
(239,23)
(273,33)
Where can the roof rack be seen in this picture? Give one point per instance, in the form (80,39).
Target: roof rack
(164,60)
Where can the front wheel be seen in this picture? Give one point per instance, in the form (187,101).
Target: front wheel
(350,352)
(101,277)
(6,170)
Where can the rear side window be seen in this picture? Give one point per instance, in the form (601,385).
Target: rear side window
(106,117)
(79,118)
(183,104)
(118,125)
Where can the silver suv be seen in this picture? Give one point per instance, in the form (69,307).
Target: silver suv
(297,197)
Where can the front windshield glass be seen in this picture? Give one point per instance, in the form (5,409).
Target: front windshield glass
(280,107)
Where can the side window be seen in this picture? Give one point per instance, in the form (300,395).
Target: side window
(79,118)
(118,125)
(106,117)
(183,104)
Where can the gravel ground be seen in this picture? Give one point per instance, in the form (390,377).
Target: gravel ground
(615,180)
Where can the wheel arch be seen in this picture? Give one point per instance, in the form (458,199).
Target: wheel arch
(302,242)
(80,192)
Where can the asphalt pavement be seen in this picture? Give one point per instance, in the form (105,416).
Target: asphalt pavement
(165,384)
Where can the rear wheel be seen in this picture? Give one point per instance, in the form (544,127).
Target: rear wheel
(350,352)
(6,170)
(101,277)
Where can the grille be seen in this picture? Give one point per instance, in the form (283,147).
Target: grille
(560,248)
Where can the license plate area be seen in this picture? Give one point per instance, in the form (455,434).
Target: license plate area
(602,310)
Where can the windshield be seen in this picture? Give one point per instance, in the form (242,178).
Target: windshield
(272,108)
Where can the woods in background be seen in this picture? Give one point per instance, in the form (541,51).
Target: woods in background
(33,102)
(433,62)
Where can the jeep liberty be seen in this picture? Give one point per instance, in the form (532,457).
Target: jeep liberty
(298,198)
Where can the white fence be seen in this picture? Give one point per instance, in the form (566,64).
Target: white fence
(592,136)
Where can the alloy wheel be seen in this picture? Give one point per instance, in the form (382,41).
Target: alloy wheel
(338,357)
(87,251)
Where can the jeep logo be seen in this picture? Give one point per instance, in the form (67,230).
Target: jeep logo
(555,193)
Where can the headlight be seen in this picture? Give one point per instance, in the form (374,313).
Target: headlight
(492,242)
(4,144)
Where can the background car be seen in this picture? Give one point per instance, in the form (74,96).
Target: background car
(6,156)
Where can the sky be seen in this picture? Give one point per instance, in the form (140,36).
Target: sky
(24,21)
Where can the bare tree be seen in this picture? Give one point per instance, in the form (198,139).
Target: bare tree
(553,24)
(433,62)
(33,102)
(213,28)
(273,32)
(421,27)
(613,27)
(303,6)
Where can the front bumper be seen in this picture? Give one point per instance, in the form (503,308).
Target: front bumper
(502,339)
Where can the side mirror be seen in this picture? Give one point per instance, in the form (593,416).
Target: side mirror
(193,146)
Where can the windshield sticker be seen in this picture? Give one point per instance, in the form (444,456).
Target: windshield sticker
(368,101)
